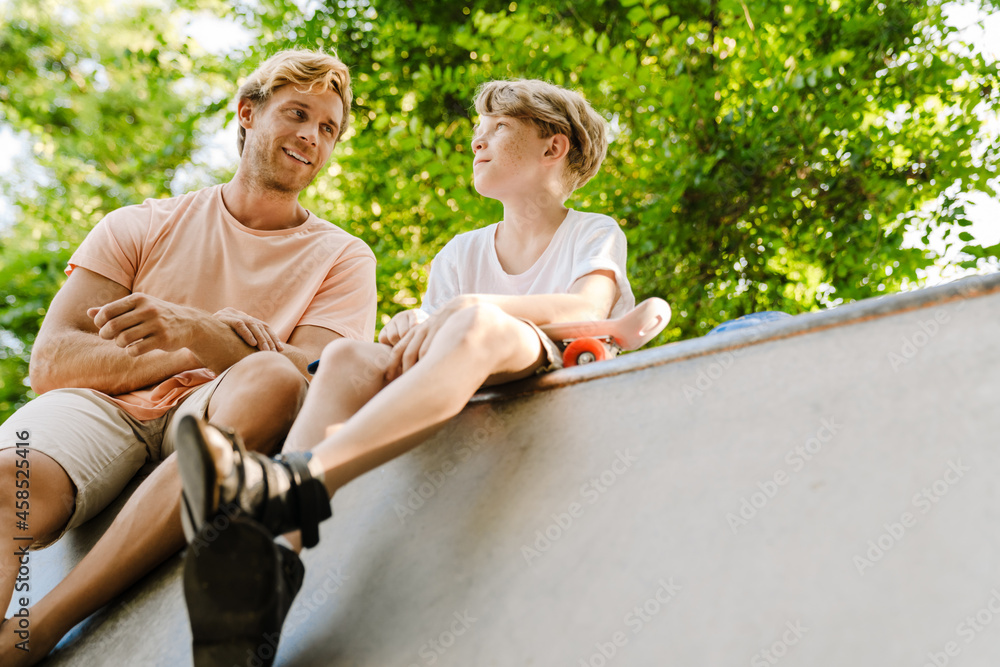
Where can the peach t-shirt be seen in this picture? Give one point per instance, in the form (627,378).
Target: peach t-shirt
(190,250)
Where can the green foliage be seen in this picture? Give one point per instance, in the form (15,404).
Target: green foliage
(764,156)
(114,103)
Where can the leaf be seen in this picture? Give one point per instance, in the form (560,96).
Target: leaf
(644,29)
(636,14)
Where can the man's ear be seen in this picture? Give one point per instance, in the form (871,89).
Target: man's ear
(557,146)
(245,113)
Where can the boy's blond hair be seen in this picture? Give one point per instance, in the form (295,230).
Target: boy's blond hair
(308,70)
(553,110)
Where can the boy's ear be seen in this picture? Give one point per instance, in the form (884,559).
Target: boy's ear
(557,146)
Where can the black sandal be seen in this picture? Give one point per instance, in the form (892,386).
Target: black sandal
(280,493)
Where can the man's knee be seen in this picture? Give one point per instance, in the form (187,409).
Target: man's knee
(269,372)
(35,484)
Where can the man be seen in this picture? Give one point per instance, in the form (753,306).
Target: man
(209,304)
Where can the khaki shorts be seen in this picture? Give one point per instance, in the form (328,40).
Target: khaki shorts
(553,351)
(99,445)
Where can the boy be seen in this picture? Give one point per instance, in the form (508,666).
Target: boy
(489,290)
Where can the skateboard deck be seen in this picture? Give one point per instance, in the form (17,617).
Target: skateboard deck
(586,342)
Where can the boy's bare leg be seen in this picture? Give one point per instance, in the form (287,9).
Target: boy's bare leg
(148,529)
(350,374)
(474,345)
(370,427)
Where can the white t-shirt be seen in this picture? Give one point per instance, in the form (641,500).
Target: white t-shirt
(584,243)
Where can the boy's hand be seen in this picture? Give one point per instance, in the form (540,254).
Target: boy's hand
(413,345)
(254,332)
(400,324)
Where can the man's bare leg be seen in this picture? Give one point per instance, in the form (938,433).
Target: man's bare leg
(51,505)
(144,535)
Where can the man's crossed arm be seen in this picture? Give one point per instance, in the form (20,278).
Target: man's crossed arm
(99,335)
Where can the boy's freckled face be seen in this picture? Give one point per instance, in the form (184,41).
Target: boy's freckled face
(507,152)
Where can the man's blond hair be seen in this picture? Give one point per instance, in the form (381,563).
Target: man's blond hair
(309,71)
(553,110)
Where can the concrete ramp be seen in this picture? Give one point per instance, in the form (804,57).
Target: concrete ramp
(823,490)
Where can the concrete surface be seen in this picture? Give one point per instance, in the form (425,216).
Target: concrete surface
(819,491)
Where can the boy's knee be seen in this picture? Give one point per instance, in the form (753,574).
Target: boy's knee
(352,356)
(338,351)
(483,326)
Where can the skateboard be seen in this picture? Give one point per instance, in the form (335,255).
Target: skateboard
(587,342)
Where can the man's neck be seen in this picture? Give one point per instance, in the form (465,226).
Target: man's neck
(260,208)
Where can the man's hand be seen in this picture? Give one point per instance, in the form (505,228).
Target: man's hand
(400,324)
(254,332)
(140,323)
(413,345)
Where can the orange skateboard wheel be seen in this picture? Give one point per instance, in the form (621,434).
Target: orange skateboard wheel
(584,351)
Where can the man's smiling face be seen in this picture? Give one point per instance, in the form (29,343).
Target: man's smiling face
(290,137)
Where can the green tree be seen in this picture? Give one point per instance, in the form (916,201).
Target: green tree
(114,102)
(764,156)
